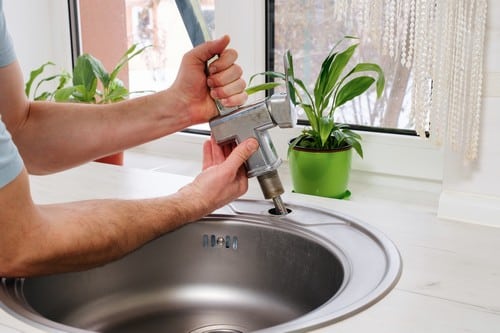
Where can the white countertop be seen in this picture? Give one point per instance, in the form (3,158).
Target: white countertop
(451,270)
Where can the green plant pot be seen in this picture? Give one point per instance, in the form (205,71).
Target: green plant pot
(319,172)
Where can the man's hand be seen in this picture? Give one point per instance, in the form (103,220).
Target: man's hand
(224,176)
(224,81)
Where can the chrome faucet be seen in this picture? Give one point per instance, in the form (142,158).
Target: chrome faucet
(238,124)
(254,120)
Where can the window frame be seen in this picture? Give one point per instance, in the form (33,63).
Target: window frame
(74,30)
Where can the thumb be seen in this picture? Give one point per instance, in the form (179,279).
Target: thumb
(208,50)
(241,153)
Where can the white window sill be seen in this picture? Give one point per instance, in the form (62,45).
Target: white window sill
(399,169)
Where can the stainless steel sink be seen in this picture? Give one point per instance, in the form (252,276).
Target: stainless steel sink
(239,270)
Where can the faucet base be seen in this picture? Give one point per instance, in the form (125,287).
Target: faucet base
(272,188)
(270,184)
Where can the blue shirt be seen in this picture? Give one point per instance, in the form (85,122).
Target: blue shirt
(11,163)
(7,54)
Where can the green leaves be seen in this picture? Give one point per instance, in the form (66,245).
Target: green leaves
(262,87)
(328,77)
(368,67)
(353,139)
(33,75)
(341,137)
(326,125)
(357,85)
(88,75)
(129,54)
(64,94)
(84,80)
(335,85)
(267,85)
(63,78)
(352,89)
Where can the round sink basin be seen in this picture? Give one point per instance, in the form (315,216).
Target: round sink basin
(239,270)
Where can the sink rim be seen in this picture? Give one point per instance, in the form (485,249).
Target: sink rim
(319,317)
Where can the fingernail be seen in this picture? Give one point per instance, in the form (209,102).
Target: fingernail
(210,83)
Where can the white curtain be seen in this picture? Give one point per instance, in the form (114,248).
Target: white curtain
(442,43)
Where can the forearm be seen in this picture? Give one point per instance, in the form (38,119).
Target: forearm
(56,136)
(82,235)
(75,236)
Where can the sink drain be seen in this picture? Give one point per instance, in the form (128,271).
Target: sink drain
(220,329)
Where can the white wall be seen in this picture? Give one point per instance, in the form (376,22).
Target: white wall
(471,192)
(40,31)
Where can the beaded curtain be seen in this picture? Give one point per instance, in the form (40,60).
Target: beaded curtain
(442,43)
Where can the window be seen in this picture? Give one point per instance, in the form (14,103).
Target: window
(292,24)
(157,23)
(309,30)
(247,26)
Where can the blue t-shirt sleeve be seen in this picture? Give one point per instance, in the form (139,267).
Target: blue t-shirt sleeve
(11,163)
(7,53)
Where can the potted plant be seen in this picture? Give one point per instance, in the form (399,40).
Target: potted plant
(320,157)
(88,83)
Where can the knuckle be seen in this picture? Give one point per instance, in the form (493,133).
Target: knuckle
(231,53)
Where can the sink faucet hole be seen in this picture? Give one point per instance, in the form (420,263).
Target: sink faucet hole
(274,211)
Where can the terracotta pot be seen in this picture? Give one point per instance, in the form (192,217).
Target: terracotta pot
(116,159)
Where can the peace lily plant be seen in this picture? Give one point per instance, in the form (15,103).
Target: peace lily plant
(89,82)
(82,85)
(335,85)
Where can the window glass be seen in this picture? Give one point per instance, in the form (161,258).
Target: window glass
(309,30)
(154,23)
